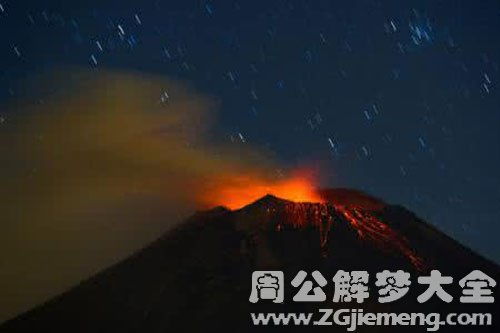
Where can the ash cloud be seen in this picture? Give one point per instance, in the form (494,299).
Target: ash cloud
(95,166)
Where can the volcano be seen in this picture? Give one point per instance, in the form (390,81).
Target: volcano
(197,277)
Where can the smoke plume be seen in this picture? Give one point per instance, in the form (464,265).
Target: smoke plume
(95,166)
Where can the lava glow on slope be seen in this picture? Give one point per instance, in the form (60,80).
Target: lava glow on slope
(243,190)
(304,206)
(365,223)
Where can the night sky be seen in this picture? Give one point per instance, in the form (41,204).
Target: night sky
(396,98)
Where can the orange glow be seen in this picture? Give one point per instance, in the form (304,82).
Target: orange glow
(239,191)
(307,207)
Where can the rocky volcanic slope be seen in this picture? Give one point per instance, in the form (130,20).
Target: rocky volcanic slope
(198,276)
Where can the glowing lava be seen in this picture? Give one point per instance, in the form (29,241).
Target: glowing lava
(304,206)
(324,216)
(237,192)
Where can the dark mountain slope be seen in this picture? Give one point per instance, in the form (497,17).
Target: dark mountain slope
(197,278)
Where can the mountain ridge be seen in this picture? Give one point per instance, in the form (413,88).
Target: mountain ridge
(205,264)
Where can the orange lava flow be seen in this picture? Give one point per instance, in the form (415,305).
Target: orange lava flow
(370,227)
(304,206)
(237,192)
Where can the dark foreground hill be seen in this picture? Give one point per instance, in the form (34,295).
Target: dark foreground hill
(197,278)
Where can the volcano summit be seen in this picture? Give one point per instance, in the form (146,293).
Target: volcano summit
(197,277)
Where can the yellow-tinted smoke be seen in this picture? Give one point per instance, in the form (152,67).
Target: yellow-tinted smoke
(94,168)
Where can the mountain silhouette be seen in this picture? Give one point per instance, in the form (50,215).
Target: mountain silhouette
(197,277)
